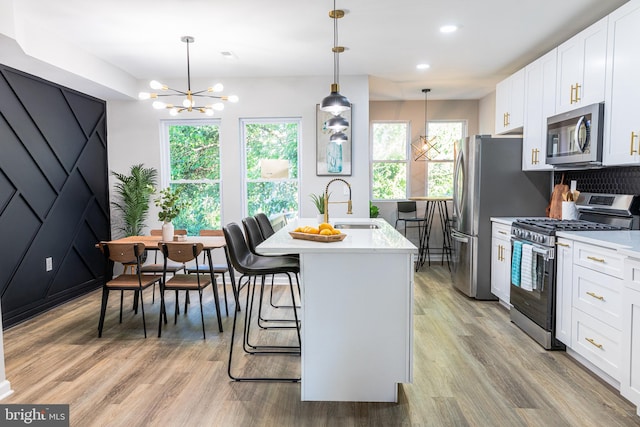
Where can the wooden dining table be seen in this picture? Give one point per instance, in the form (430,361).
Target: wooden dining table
(209,243)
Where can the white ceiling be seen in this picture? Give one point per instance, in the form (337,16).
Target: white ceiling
(384,39)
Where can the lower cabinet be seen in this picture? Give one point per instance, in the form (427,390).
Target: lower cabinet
(630,364)
(501,262)
(564,280)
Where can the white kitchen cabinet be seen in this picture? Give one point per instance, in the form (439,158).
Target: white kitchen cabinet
(540,103)
(596,306)
(581,68)
(622,121)
(510,103)
(501,262)
(564,280)
(630,365)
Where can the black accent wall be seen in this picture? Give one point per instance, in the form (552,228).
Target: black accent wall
(54,197)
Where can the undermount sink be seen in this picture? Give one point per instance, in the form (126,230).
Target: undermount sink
(355,225)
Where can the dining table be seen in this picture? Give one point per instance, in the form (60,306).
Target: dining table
(433,204)
(209,243)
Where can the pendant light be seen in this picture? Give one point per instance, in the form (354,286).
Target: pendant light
(188,102)
(335,103)
(422,151)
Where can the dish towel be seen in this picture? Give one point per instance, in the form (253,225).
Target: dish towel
(526,268)
(516,256)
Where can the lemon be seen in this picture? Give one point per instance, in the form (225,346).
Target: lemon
(325,226)
(313,230)
(326,232)
(334,231)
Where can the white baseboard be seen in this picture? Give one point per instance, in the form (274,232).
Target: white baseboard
(5,389)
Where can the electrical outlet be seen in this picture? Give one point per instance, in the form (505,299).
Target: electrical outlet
(48,263)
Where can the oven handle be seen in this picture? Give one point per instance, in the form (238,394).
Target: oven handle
(547,253)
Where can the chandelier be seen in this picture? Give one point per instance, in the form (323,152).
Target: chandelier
(335,103)
(188,103)
(425,148)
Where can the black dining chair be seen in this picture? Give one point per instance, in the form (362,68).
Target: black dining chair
(265,225)
(251,266)
(407,211)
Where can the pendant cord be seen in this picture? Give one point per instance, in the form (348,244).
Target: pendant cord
(188,69)
(336,57)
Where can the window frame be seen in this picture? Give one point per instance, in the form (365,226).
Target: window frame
(464,124)
(406,161)
(243,156)
(165,155)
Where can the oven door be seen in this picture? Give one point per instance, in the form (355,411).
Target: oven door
(532,281)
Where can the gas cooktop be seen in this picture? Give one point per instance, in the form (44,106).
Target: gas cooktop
(549,226)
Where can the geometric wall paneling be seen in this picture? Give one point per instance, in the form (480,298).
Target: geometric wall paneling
(54,199)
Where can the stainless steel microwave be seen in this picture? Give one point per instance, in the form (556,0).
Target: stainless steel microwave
(575,137)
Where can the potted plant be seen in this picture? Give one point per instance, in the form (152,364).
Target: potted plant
(132,195)
(373,210)
(318,201)
(170,206)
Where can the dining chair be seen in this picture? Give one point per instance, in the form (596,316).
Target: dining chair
(157,267)
(250,266)
(221,269)
(183,252)
(254,238)
(407,212)
(137,282)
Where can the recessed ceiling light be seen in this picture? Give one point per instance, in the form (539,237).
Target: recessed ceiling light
(423,66)
(448,28)
(228,55)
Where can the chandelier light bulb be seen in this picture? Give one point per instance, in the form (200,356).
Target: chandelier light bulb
(186,103)
(173,111)
(218,87)
(144,95)
(158,105)
(218,106)
(154,84)
(208,112)
(233,98)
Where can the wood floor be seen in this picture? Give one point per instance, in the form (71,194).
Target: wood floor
(472,368)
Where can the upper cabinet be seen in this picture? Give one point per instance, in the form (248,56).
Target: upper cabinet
(622,121)
(581,68)
(540,103)
(510,103)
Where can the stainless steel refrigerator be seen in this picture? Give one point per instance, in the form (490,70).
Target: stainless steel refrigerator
(489,182)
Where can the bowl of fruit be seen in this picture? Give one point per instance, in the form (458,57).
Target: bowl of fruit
(322,233)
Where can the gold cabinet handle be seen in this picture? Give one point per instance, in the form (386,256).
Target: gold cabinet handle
(596,296)
(592,258)
(572,100)
(504,119)
(537,156)
(502,232)
(594,343)
(500,252)
(563,244)
(578,92)
(632,149)
(533,156)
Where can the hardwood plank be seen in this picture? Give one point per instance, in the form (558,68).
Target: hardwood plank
(472,367)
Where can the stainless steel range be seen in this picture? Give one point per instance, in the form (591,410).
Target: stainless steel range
(533,243)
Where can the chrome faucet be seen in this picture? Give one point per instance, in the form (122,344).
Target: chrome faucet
(326,199)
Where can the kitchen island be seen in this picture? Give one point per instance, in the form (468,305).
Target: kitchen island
(357,310)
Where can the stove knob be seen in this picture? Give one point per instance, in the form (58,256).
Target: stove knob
(527,235)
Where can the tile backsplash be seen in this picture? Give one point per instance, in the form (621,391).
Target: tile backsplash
(619,180)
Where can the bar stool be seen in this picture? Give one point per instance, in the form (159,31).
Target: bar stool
(251,266)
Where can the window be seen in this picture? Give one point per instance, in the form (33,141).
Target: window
(389,147)
(439,168)
(192,150)
(271,166)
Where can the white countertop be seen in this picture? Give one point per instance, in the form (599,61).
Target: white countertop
(627,242)
(507,220)
(384,239)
